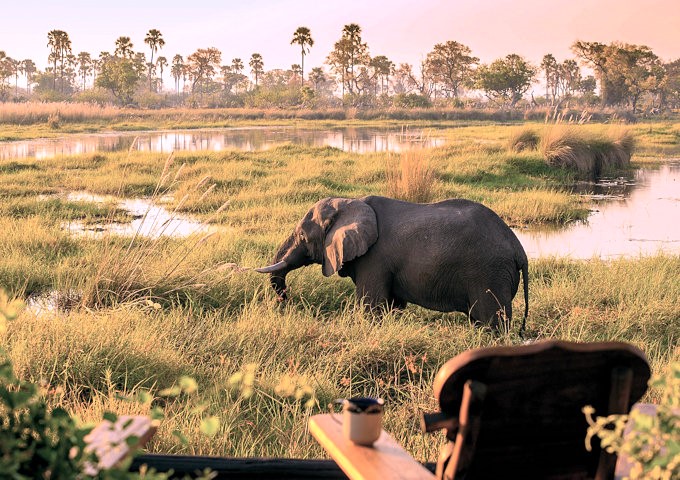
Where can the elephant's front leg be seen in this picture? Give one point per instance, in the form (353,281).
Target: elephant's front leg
(374,291)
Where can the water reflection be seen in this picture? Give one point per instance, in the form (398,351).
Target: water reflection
(358,140)
(641,217)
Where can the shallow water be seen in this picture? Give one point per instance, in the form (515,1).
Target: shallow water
(151,219)
(358,140)
(630,217)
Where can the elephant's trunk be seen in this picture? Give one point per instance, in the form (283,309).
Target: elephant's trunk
(291,255)
(278,272)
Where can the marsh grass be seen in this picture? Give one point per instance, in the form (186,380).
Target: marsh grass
(92,358)
(31,113)
(54,113)
(124,273)
(59,209)
(587,152)
(156,309)
(525,138)
(410,177)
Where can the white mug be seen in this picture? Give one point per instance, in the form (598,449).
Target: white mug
(362,419)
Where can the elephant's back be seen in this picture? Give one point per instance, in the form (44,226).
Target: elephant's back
(463,219)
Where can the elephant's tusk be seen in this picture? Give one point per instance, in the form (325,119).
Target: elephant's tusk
(273,268)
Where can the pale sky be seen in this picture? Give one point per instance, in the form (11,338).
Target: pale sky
(404,31)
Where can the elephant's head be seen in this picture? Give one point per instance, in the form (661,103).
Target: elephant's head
(333,232)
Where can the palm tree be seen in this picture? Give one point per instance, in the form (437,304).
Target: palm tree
(303,37)
(237,65)
(317,76)
(5,71)
(160,63)
(15,70)
(356,49)
(84,65)
(60,44)
(29,68)
(256,66)
(296,70)
(550,66)
(382,68)
(177,70)
(123,47)
(154,39)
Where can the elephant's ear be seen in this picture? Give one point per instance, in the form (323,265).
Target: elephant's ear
(353,231)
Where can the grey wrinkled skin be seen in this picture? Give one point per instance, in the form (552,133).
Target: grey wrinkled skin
(455,255)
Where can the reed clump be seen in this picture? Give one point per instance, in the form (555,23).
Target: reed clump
(525,138)
(587,152)
(410,177)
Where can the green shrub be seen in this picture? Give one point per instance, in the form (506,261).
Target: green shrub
(654,449)
(411,100)
(151,100)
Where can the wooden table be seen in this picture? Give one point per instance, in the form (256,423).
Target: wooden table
(386,459)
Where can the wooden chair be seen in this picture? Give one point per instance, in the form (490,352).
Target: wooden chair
(515,412)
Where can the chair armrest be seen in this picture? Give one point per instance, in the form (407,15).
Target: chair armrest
(386,459)
(431,422)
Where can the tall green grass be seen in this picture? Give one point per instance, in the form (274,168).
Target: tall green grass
(30,113)
(523,139)
(90,357)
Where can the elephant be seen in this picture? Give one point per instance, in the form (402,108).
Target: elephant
(454,255)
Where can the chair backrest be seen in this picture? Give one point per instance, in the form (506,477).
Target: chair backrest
(529,418)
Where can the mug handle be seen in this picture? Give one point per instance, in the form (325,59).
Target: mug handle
(331,410)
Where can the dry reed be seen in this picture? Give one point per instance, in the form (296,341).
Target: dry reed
(410,177)
(31,113)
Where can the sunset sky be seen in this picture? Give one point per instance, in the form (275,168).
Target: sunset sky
(402,30)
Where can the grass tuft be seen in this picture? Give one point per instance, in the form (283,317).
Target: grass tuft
(589,153)
(410,177)
(523,139)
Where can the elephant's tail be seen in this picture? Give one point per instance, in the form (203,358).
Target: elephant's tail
(525,280)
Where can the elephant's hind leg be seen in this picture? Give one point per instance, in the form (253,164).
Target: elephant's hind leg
(492,309)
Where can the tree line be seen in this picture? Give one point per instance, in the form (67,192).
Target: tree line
(623,75)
